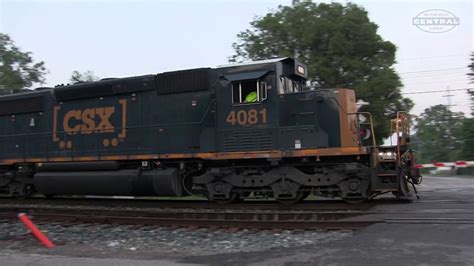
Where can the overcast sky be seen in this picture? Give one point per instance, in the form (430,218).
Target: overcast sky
(126,38)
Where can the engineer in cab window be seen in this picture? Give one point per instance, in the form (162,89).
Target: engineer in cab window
(251,97)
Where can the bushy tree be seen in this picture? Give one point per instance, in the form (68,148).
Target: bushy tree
(467,152)
(341,47)
(440,135)
(467,132)
(18,70)
(87,76)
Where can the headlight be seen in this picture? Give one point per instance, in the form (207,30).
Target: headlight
(387,155)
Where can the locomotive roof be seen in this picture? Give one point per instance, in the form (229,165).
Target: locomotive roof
(259,62)
(112,86)
(25,93)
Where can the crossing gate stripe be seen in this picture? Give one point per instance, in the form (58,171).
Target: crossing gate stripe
(446,164)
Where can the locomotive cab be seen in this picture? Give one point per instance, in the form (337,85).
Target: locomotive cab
(267,106)
(246,108)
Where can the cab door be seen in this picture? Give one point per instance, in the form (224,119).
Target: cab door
(245,113)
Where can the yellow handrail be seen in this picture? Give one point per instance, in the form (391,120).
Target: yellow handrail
(401,126)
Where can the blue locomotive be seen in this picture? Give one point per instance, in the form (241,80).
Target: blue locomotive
(230,132)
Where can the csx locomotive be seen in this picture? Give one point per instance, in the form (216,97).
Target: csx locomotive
(198,131)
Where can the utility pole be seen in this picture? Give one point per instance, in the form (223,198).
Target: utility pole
(449,132)
(448,96)
(471,94)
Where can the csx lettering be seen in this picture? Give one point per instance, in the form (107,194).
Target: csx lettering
(246,118)
(84,121)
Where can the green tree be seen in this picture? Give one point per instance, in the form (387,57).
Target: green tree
(341,47)
(439,135)
(87,76)
(467,140)
(17,69)
(468,125)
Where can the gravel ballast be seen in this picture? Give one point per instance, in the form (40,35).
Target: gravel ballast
(151,242)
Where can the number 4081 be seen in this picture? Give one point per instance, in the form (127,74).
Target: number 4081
(247,117)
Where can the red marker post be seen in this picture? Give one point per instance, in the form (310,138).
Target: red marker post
(35,231)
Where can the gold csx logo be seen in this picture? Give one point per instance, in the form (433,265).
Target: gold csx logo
(84,121)
(72,124)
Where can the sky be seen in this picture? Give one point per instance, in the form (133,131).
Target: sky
(126,38)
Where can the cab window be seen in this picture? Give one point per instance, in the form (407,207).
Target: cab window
(288,85)
(249,91)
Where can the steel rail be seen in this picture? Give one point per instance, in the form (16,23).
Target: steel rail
(250,219)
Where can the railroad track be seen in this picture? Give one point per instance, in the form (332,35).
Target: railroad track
(191,204)
(329,215)
(198,218)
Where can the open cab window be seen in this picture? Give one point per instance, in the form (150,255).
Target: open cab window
(288,85)
(249,91)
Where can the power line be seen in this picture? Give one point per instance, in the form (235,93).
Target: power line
(435,75)
(429,57)
(434,70)
(435,81)
(435,91)
(427,75)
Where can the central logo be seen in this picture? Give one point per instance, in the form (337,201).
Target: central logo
(436,21)
(90,121)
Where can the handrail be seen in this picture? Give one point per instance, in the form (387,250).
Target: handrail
(374,144)
(402,126)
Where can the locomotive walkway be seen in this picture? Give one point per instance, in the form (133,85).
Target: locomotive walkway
(438,229)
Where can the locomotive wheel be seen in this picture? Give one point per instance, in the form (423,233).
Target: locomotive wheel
(28,190)
(300,195)
(355,200)
(221,189)
(15,189)
(21,191)
(288,192)
(404,191)
(234,197)
(243,196)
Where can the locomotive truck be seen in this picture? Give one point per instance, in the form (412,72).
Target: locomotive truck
(196,132)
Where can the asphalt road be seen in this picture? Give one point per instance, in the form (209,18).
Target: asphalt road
(438,229)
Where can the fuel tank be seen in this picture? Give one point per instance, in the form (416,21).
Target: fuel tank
(129,182)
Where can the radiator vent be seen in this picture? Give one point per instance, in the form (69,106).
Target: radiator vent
(248,140)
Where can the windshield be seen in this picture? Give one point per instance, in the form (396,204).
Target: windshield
(288,85)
